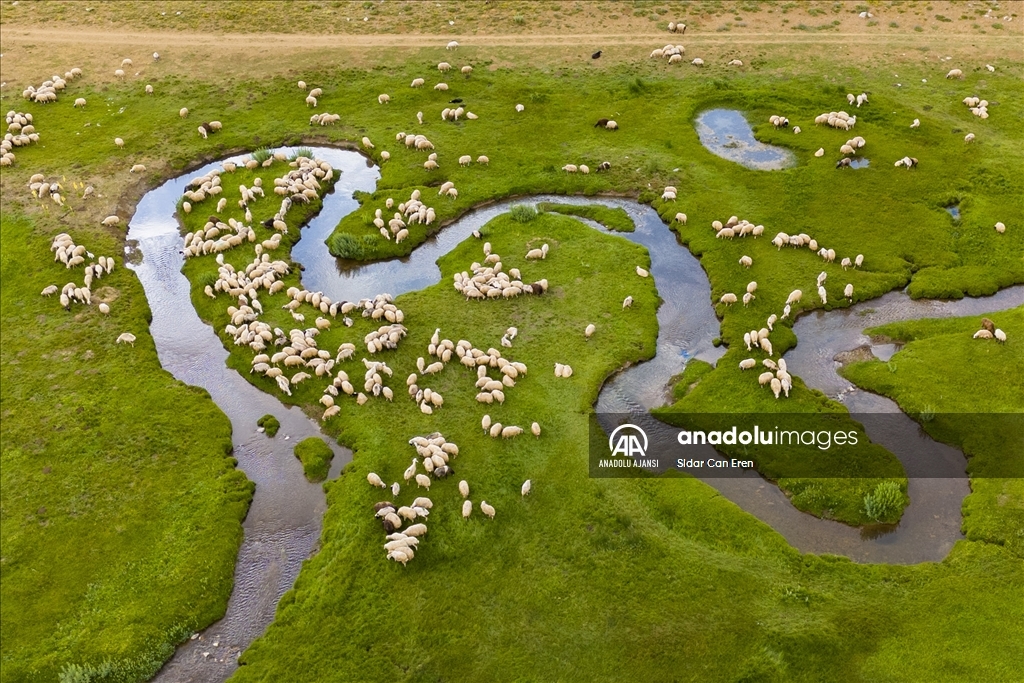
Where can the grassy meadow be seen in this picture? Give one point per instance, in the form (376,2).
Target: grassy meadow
(937,379)
(121,507)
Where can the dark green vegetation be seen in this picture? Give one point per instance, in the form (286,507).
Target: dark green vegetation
(315,456)
(552,584)
(121,505)
(270,424)
(612,218)
(956,387)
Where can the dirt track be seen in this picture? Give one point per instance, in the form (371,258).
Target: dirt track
(31,51)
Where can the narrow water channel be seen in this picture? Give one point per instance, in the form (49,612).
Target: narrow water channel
(284,521)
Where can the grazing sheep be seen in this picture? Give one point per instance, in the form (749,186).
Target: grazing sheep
(642,272)
(487,509)
(80,102)
(137,168)
(520,108)
(126,338)
(747,364)
(848,292)
(441,86)
(423,480)
(119,73)
(453,45)
(697,62)
(1000,227)
(367,144)
(794,297)
(1000,335)
(969,137)
(955,73)
(627,302)
(728,299)
(746,261)
(417,82)
(467,509)
(119,142)
(383,98)
(466,70)
(983,334)
(104,309)
(735,62)
(820,152)
(526,488)
(916,123)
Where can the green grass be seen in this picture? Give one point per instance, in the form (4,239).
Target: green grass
(122,509)
(270,424)
(315,456)
(932,376)
(613,218)
(604,573)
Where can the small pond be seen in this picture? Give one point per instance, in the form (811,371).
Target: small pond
(859,162)
(726,133)
(954,211)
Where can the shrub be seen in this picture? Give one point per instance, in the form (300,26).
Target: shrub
(269,423)
(884,503)
(301,152)
(261,154)
(522,213)
(315,456)
(358,247)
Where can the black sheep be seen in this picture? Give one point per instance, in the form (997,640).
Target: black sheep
(601,123)
(596,55)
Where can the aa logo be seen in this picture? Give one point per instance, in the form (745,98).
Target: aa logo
(625,440)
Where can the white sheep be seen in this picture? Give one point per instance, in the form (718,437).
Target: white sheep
(467,509)
(80,102)
(520,108)
(375,480)
(126,338)
(487,509)
(1000,227)
(453,45)
(955,73)
(366,143)
(383,98)
(627,302)
(526,488)
(746,261)
(969,137)
(642,272)
(467,70)
(848,291)
(747,364)
(728,299)
(589,331)
(441,86)
(465,160)
(916,123)
(1000,335)
(423,481)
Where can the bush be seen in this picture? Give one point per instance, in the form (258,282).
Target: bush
(269,423)
(522,213)
(885,503)
(315,456)
(357,247)
(301,152)
(262,154)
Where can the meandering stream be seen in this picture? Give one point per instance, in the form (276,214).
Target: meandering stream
(283,524)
